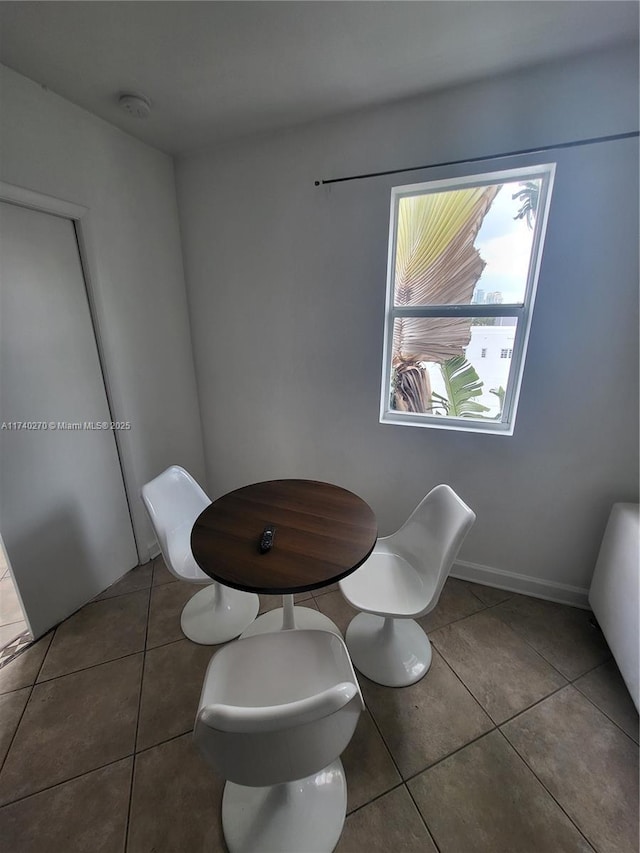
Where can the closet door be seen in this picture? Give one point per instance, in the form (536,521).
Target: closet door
(64,516)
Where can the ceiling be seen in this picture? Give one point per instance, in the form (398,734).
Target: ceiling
(217,70)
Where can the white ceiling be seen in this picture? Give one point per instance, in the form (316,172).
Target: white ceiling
(215,70)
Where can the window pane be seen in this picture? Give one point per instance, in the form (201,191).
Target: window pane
(431,376)
(464,246)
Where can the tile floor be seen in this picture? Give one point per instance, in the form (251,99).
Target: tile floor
(12,622)
(521,738)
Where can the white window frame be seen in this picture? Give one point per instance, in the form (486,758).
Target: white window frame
(522,311)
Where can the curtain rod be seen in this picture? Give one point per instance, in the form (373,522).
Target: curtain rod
(574,144)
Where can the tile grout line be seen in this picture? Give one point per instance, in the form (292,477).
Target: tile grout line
(401,784)
(459,618)
(422,818)
(517,713)
(82,668)
(162,742)
(495,727)
(604,713)
(568,680)
(64,781)
(529,646)
(492,729)
(560,806)
(444,757)
(382,738)
(375,722)
(449,755)
(33,686)
(524,640)
(377,797)
(131,755)
(90,666)
(597,707)
(135,737)
(546,660)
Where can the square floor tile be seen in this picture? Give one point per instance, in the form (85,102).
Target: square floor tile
(99,632)
(11,707)
(368,765)
(586,763)
(504,674)
(167,601)
(85,814)
(424,722)
(390,823)
(486,800)
(605,687)
(456,601)
(171,687)
(176,802)
(23,670)
(565,636)
(138,578)
(73,724)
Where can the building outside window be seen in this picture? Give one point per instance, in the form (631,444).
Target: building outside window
(463,266)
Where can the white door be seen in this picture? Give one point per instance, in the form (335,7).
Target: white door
(64,516)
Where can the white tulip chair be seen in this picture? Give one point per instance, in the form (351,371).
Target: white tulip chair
(217,613)
(401,581)
(276,712)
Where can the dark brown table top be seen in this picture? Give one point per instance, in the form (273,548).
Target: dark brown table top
(322,534)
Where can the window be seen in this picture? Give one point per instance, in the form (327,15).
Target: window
(464,256)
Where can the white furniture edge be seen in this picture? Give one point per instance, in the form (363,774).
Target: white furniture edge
(561,593)
(615,592)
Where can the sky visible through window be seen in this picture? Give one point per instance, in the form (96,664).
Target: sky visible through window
(505,244)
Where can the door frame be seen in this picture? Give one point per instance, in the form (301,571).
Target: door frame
(81,220)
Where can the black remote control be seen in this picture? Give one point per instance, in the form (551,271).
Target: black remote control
(266,540)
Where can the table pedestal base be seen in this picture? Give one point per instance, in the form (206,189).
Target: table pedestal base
(217,614)
(290,617)
(307,814)
(391,652)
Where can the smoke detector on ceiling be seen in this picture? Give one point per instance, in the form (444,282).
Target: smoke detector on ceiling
(136,106)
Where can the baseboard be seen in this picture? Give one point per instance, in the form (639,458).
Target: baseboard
(561,593)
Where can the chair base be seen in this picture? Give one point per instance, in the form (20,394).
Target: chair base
(305,617)
(391,652)
(216,614)
(307,814)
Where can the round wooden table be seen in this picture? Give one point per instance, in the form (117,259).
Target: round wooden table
(322,534)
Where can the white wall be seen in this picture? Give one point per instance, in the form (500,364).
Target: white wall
(286,289)
(53,147)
